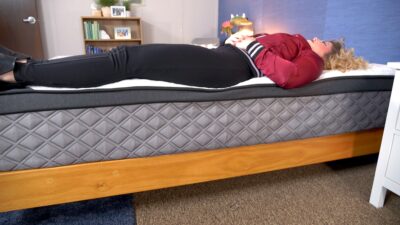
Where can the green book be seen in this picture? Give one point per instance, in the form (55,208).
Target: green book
(86,29)
(91,30)
(95,30)
(98,31)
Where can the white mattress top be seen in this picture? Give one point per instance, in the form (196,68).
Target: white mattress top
(372,70)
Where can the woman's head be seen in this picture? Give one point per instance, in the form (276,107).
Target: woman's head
(321,48)
(343,59)
(336,56)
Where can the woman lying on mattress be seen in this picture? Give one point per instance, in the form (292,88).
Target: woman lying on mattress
(288,60)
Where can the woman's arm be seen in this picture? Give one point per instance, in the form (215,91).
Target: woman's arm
(305,68)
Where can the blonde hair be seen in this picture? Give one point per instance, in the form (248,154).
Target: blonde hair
(343,59)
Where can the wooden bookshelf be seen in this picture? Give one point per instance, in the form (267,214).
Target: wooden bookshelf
(108,24)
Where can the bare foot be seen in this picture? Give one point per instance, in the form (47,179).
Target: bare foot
(8,77)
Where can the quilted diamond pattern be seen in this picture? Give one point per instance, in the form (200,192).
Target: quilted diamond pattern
(62,137)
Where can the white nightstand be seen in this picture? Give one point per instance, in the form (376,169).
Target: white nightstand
(387,174)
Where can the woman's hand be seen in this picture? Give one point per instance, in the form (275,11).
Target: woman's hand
(233,39)
(244,43)
(238,36)
(241,39)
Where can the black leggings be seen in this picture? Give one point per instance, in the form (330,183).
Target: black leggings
(183,64)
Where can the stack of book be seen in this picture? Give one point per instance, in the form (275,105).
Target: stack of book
(90,50)
(92,30)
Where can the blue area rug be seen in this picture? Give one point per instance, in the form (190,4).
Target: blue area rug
(117,210)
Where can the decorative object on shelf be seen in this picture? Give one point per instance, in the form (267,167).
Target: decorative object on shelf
(122,33)
(235,24)
(105,6)
(118,11)
(127,4)
(104,35)
(95,10)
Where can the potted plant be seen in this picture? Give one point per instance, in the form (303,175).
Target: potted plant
(127,4)
(105,6)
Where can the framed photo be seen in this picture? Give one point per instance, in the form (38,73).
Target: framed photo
(122,33)
(118,11)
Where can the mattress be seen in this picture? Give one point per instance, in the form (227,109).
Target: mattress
(377,78)
(46,127)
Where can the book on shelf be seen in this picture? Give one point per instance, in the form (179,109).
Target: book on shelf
(92,30)
(91,50)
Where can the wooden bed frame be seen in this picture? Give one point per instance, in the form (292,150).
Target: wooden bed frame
(41,187)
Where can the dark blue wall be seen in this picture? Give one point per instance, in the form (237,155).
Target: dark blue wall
(372,27)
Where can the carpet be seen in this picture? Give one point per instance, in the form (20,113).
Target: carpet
(328,193)
(117,210)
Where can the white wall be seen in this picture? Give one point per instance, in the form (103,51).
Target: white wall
(178,21)
(164,21)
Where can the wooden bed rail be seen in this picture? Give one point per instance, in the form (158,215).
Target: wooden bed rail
(40,187)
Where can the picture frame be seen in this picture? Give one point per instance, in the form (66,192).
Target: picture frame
(122,33)
(118,11)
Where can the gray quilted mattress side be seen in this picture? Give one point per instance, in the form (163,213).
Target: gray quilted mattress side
(64,137)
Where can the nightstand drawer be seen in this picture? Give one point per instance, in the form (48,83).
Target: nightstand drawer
(393,169)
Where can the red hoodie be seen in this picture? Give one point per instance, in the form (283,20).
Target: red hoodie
(286,59)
